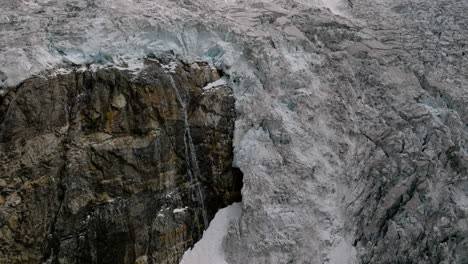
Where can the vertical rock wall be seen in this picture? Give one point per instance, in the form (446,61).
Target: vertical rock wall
(106,167)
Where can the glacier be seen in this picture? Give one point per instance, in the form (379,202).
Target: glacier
(351,131)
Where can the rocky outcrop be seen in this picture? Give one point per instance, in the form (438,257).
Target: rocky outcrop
(107,167)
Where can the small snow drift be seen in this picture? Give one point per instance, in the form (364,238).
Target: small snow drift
(209,250)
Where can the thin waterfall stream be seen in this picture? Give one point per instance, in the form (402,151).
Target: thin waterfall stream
(193,169)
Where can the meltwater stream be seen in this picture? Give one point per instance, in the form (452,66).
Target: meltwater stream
(193,170)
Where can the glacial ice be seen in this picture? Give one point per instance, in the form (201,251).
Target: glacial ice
(268,64)
(303,102)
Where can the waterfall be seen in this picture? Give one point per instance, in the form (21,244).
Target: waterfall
(190,154)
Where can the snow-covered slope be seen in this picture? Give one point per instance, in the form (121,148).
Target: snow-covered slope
(210,250)
(351,129)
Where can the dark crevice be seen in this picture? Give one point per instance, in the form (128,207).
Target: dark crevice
(397,206)
(52,244)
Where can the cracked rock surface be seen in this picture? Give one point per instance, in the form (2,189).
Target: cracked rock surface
(99,167)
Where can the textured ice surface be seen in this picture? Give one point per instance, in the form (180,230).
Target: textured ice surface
(255,42)
(38,35)
(351,129)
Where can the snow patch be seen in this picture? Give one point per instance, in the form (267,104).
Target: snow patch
(214,84)
(344,253)
(179,210)
(210,250)
(170,67)
(336,6)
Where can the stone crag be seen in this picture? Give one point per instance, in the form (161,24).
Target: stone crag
(106,167)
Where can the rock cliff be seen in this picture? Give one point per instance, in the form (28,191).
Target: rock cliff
(108,167)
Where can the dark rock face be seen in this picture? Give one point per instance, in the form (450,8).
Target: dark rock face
(105,167)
